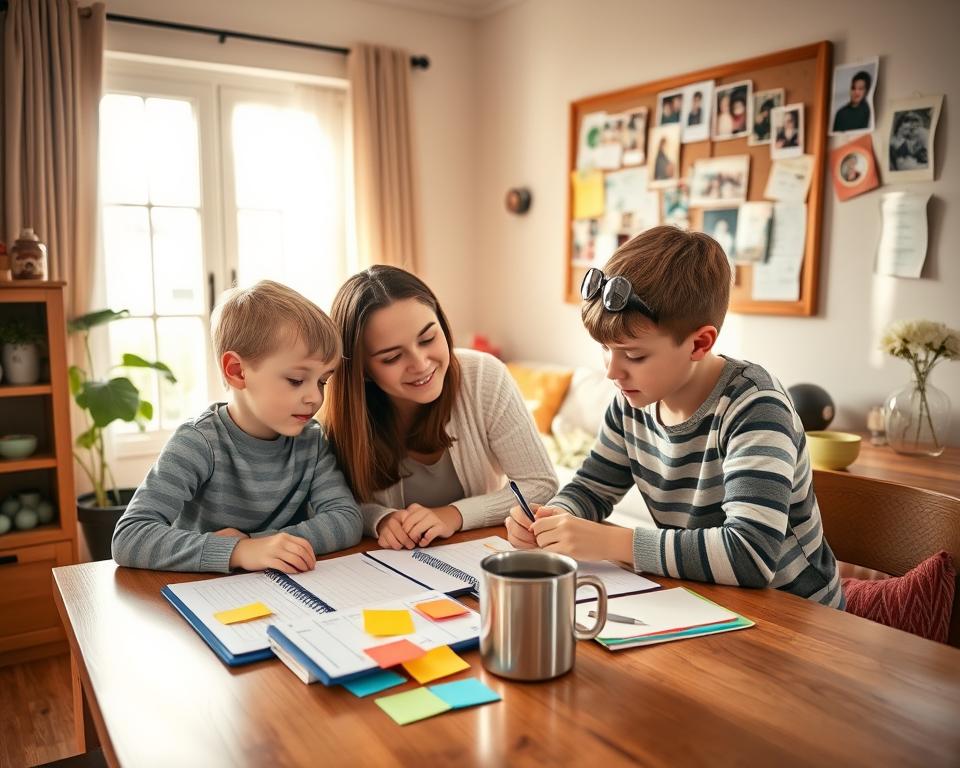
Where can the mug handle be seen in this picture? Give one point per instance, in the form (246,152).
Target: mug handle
(588,634)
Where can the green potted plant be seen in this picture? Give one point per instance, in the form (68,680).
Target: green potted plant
(21,341)
(104,401)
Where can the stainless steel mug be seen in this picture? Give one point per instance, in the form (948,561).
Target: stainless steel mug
(528,629)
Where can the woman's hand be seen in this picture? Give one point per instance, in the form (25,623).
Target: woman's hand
(390,533)
(423,524)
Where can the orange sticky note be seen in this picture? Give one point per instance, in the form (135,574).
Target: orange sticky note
(440,609)
(391,654)
(243,613)
(384,623)
(434,664)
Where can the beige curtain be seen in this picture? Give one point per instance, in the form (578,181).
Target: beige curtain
(386,210)
(52,81)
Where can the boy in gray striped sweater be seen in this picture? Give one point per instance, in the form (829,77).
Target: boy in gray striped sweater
(714,444)
(252,483)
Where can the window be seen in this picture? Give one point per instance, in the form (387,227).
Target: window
(208,180)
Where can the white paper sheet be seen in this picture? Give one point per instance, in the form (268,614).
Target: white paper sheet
(668,609)
(753,231)
(789,179)
(903,239)
(778,279)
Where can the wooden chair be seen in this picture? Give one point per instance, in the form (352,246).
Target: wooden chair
(889,527)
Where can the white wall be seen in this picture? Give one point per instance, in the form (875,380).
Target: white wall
(443,96)
(538,56)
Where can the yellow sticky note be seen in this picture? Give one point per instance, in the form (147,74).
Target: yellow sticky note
(243,613)
(434,664)
(384,623)
(587,194)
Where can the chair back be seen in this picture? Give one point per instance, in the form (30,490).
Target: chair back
(889,527)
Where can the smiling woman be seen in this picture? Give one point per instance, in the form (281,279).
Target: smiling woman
(426,435)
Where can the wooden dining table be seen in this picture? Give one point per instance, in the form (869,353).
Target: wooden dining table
(808,685)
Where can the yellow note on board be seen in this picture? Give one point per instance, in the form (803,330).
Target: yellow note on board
(243,613)
(588,202)
(434,664)
(385,623)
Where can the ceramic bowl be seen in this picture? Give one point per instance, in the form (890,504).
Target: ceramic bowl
(833,450)
(17,446)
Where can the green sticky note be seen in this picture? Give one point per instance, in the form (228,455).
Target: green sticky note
(410,706)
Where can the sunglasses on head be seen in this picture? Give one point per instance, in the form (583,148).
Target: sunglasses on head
(617,293)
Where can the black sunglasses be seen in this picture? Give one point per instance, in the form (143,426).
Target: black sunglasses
(618,294)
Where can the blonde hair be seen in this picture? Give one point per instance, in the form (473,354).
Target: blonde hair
(683,276)
(255,321)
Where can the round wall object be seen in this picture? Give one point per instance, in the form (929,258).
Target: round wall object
(518,200)
(814,406)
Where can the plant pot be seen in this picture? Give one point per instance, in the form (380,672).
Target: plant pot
(98,522)
(21,363)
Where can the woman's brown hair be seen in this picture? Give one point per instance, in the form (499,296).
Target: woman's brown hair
(370,456)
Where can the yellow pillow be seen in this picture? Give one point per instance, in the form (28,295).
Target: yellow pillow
(543,391)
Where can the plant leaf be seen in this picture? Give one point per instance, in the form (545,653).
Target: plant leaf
(77,377)
(110,400)
(92,319)
(135,361)
(88,438)
(145,411)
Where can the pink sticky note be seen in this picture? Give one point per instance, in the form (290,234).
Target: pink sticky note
(391,654)
(440,609)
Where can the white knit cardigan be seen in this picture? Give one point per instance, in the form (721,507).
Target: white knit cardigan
(494,436)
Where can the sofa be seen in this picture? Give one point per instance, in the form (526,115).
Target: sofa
(568,407)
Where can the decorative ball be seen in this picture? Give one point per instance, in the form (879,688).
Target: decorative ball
(814,406)
(25,519)
(5,524)
(518,200)
(10,506)
(45,512)
(29,499)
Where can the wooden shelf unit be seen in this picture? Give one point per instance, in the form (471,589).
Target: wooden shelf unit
(29,624)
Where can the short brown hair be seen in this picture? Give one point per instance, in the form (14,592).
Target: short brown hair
(683,276)
(359,417)
(255,321)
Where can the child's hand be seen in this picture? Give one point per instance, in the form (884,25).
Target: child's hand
(567,534)
(423,524)
(518,525)
(390,533)
(232,533)
(290,554)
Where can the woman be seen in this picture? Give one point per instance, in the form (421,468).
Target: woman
(424,434)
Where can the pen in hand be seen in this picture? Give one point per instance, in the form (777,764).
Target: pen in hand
(523,502)
(618,618)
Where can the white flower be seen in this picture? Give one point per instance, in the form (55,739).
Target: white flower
(922,342)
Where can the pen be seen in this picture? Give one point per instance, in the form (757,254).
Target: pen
(618,618)
(523,502)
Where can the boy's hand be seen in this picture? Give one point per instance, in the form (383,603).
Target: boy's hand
(290,554)
(423,524)
(519,527)
(390,533)
(581,539)
(232,533)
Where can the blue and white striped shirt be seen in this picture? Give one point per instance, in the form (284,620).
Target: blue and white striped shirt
(730,489)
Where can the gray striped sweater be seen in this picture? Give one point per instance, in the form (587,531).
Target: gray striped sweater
(212,475)
(730,489)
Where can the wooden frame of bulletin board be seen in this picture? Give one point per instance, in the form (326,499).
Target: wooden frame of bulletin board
(804,73)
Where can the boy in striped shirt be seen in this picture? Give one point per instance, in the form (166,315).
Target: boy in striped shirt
(714,444)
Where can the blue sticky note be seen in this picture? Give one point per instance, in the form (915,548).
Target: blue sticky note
(465,693)
(374,683)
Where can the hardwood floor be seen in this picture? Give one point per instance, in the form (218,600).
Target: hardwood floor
(36,712)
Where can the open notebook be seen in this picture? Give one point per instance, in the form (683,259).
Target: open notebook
(455,568)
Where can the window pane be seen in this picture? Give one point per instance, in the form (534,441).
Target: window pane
(259,165)
(177,261)
(259,245)
(136,337)
(183,347)
(126,245)
(123,149)
(173,155)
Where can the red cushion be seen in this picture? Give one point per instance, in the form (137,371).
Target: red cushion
(920,601)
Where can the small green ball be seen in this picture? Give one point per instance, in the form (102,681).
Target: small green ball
(10,506)
(45,512)
(5,524)
(25,519)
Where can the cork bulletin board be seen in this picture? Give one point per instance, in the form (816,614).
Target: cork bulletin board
(804,74)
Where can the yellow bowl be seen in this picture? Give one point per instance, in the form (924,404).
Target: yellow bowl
(833,450)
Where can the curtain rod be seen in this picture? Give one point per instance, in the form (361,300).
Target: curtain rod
(417,62)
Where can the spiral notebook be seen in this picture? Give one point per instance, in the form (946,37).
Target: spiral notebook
(455,568)
(333,585)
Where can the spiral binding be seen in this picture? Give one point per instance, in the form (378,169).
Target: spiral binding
(305,596)
(440,565)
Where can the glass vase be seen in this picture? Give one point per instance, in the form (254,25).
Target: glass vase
(918,419)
